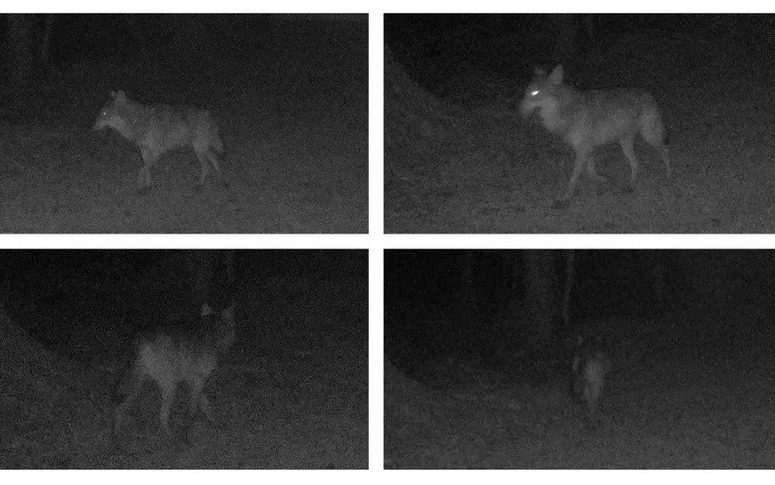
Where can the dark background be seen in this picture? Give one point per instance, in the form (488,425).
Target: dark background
(434,46)
(473,302)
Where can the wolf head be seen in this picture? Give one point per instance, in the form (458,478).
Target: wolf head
(172,356)
(112,115)
(225,329)
(541,93)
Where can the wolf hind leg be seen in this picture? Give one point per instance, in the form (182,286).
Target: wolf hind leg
(591,399)
(627,147)
(204,164)
(206,408)
(214,160)
(664,153)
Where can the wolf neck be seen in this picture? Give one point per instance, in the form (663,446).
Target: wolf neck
(137,121)
(552,113)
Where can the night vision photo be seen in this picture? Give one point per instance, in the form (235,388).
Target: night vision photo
(184,123)
(579,359)
(578,123)
(183,359)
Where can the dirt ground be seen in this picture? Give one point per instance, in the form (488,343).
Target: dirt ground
(699,404)
(464,161)
(298,399)
(293,117)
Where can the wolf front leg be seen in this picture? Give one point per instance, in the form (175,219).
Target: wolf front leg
(167,395)
(144,176)
(578,166)
(204,163)
(199,401)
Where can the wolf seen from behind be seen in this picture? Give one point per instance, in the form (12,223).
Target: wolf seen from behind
(156,129)
(590,367)
(591,362)
(174,355)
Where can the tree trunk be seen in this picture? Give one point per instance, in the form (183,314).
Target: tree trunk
(208,276)
(467,275)
(541,294)
(567,28)
(45,42)
(204,263)
(20,40)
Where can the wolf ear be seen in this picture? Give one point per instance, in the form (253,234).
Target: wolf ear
(206,310)
(556,76)
(119,96)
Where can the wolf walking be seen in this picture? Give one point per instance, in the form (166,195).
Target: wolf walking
(173,356)
(591,364)
(588,119)
(156,129)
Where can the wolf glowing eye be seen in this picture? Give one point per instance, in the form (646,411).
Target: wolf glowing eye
(533,93)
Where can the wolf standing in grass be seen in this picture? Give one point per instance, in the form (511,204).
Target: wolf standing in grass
(588,119)
(172,356)
(156,129)
(591,364)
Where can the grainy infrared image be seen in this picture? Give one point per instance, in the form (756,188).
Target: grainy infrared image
(184,123)
(536,359)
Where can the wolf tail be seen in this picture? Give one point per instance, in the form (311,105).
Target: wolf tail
(653,130)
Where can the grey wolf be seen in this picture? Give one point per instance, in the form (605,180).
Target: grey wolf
(156,129)
(590,366)
(171,356)
(588,119)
